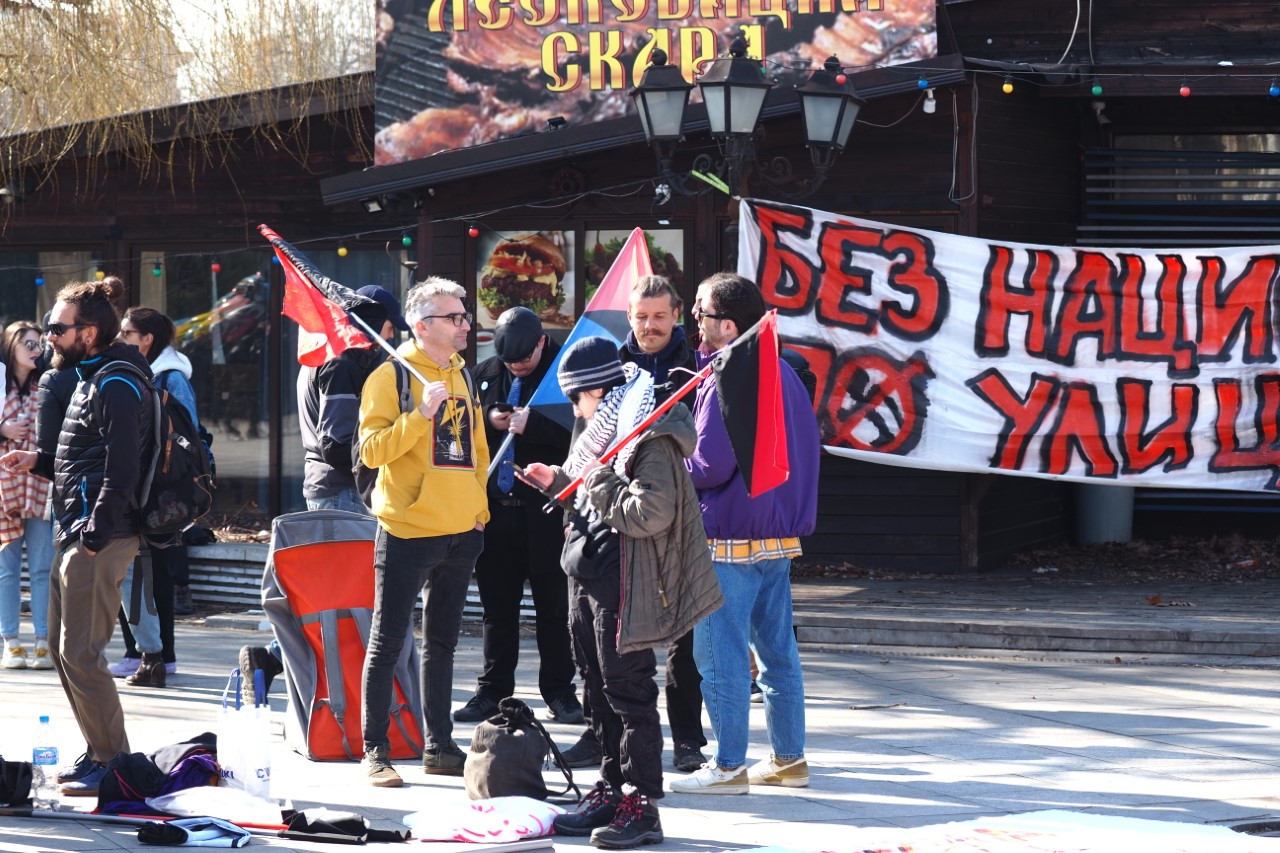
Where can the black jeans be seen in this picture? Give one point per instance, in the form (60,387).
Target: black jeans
(440,568)
(163,561)
(684,693)
(522,542)
(620,689)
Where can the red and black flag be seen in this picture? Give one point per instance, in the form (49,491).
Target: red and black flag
(319,305)
(749,389)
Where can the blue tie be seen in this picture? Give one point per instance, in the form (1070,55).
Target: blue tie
(506,471)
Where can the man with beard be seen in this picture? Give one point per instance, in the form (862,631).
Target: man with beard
(95,471)
(521,542)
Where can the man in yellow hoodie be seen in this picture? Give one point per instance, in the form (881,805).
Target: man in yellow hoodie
(431,507)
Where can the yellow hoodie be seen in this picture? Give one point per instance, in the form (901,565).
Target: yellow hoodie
(433,470)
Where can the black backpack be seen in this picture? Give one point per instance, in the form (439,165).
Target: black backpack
(176,488)
(206,438)
(366,477)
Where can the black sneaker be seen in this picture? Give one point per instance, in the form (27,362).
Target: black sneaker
(257,657)
(757,695)
(636,822)
(444,760)
(82,765)
(479,707)
(566,709)
(597,809)
(688,756)
(585,753)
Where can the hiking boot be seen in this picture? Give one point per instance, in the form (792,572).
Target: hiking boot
(565,709)
(585,753)
(712,779)
(784,774)
(443,760)
(635,823)
(757,695)
(688,756)
(41,658)
(597,809)
(86,785)
(182,602)
(377,766)
(479,707)
(124,667)
(253,658)
(82,765)
(150,671)
(15,655)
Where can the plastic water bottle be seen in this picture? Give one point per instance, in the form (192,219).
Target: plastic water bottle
(44,768)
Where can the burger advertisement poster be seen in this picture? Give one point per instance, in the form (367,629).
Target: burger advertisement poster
(453,74)
(529,268)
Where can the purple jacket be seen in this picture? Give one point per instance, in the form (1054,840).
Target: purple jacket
(727,513)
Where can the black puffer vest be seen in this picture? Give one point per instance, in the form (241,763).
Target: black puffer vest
(80,463)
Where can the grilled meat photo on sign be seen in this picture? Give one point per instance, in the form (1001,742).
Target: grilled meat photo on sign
(526,270)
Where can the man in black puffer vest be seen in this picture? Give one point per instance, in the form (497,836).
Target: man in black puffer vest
(106,435)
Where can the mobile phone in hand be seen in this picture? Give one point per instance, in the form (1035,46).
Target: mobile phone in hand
(505,408)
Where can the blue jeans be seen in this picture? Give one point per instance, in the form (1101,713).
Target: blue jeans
(756,613)
(347,499)
(37,533)
(146,631)
(439,567)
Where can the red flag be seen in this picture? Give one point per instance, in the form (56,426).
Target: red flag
(749,390)
(318,304)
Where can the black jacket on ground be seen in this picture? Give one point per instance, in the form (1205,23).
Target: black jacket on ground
(105,437)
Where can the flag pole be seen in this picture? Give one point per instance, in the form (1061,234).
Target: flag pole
(635,433)
(497,457)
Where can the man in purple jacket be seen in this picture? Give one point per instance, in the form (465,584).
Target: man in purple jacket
(752,542)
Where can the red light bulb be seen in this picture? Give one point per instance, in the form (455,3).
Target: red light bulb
(473,232)
(216,267)
(841,79)
(1184,90)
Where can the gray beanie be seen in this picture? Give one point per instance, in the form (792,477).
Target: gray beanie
(588,364)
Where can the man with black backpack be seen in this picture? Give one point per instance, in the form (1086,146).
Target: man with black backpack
(107,434)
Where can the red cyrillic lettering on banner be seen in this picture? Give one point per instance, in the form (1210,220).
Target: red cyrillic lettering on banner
(1244,304)
(1022,415)
(1168,340)
(1088,309)
(879,402)
(1142,448)
(1000,299)
(1231,454)
(841,278)
(1081,428)
(821,358)
(912,272)
(787,278)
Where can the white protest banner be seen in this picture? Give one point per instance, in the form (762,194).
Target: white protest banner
(1140,367)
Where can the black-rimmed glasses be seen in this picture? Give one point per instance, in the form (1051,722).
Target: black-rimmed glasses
(699,313)
(458,317)
(57,330)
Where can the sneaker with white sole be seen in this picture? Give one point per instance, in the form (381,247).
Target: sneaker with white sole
(40,658)
(124,667)
(15,655)
(785,774)
(712,779)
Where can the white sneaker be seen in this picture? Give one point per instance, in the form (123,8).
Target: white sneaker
(713,780)
(41,659)
(124,667)
(784,774)
(15,655)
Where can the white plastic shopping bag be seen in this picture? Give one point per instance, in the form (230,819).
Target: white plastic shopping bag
(244,741)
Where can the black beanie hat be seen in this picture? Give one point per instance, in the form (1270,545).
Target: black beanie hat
(588,364)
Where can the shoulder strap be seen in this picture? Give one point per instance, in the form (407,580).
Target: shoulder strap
(148,476)
(403,386)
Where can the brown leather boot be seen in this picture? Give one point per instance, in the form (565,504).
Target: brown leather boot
(150,673)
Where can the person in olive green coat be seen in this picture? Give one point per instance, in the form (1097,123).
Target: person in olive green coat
(640,575)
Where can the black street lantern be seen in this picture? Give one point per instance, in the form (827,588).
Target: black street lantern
(660,99)
(733,89)
(830,108)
